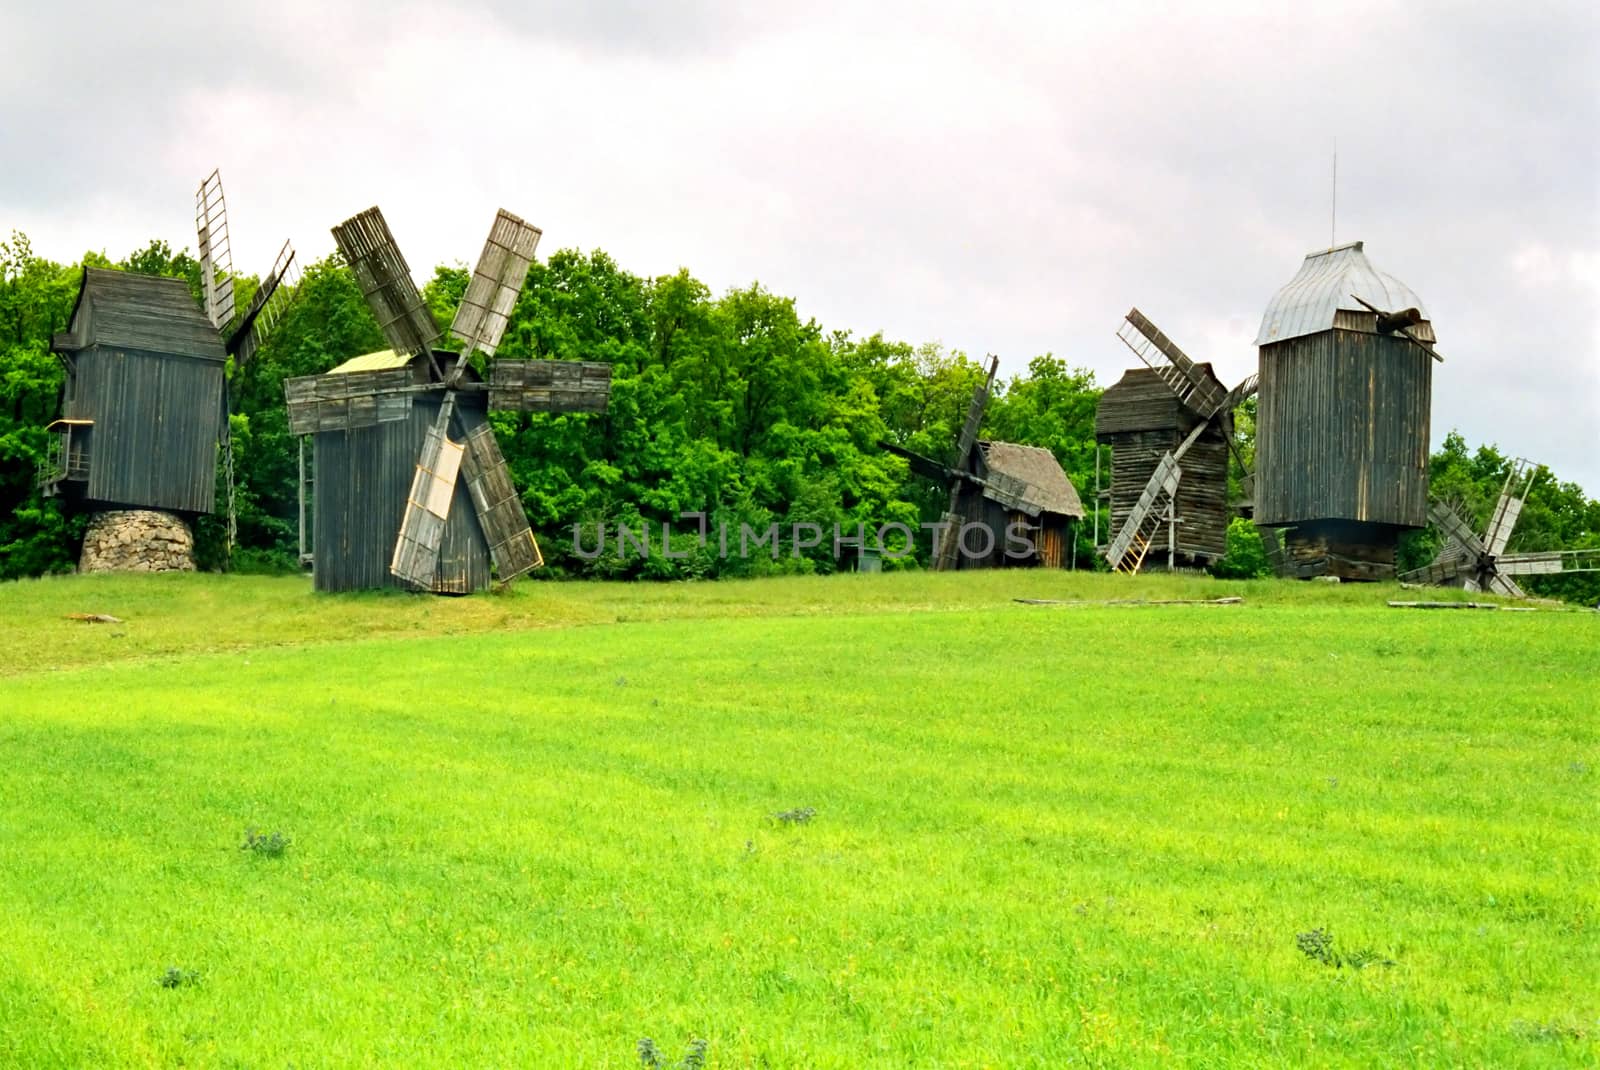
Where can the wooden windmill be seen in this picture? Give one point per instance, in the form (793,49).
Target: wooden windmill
(1480,563)
(145,402)
(389,476)
(1002,487)
(1346,367)
(242,333)
(1143,418)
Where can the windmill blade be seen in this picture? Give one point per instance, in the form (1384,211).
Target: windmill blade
(1505,585)
(347,401)
(512,547)
(1437,574)
(1273,545)
(502,269)
(926,467)
(1508,508)
(416,550)
(1396,322)
(950,541)
(1163,484)
(216,251)
(549,385)
(385,280)
(1246,389)
(276,293)
(1446,520)
(1162,356)
(969,430)
(1538,563)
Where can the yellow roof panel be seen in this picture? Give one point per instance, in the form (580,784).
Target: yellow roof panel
(382,360)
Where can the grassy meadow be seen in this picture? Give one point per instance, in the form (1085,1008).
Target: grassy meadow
(530,829)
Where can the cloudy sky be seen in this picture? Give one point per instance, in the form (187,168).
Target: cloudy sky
(1000,178)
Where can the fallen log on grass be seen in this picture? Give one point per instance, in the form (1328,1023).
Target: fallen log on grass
(1230,601)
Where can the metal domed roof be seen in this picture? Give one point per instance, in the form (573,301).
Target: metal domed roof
(1325,284)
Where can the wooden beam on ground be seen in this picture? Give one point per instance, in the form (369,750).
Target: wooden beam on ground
(1231,601)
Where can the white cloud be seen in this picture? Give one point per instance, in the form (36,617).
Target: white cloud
(1006,181)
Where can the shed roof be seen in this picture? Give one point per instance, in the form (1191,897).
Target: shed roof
(1325,284)
(1142,401)
(146,312)
(1048,488)
(382,360)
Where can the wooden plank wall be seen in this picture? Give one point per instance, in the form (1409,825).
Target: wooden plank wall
(362,480)
(157,421)
(1342,430)
(1202,494)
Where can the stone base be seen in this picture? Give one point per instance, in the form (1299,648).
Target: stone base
(137,540)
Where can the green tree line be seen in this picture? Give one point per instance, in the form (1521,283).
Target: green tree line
(733,406)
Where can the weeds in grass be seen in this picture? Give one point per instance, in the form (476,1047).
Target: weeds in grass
(264,845)
(178,978)
(1318,946)
(794,817)
(1548,1031)
(650,1057)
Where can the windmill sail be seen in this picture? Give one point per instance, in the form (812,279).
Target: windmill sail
(512,547)
(216,251)
(549,385)
(926,467)
(385,280)
(480,321)
(980,402)
(416,551)
(1162,356)
(275,294)
(1507,510)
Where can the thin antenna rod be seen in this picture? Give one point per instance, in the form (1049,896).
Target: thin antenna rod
(1333,211)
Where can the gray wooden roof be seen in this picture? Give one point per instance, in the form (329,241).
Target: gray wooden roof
(1330,280)
(145,312)
(1047,487)
(1142,401)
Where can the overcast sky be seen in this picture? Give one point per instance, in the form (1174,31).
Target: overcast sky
(1004,179)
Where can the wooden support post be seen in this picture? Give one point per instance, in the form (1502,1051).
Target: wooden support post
(1097,497)
(302,496)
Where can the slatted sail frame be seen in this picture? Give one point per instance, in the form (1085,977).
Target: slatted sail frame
(381,271)
(549,386)
(416,551)
(1162,356)
(512,547)
(216,251)
(480,320)
(1507,509)
(348,401)
(949,548)
(276,292)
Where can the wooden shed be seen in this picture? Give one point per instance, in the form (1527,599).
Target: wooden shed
(1021,485)
(1141,419)
(142,403)
(1342,427)
(361,478)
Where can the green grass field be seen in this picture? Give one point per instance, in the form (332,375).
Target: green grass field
(530,829)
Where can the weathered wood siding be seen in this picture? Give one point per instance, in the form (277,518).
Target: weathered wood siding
(1342,430)
(157,420)
(362,479)
(1202,492)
